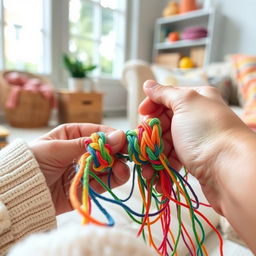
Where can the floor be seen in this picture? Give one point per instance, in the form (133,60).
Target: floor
(230,248)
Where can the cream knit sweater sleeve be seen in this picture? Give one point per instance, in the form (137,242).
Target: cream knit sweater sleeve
(25,201)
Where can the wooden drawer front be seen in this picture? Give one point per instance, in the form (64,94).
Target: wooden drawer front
(84,102)
(80,107)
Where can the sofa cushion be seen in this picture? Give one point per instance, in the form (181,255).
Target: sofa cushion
(179,77)
(245,70)
(223,84)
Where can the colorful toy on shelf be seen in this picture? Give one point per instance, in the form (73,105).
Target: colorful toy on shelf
(187,6)
(173,36)
(186,63)
(4,133)
(171,9)
(195,32)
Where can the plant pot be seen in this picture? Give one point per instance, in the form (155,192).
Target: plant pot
(80,84)
(187,6)
(88,85)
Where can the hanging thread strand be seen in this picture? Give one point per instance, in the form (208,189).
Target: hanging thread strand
(145,147)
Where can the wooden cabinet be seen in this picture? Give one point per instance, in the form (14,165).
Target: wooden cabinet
(80,107)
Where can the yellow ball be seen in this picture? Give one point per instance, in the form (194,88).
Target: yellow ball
(186,62)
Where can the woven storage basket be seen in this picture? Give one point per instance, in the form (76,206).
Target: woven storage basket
(32,109)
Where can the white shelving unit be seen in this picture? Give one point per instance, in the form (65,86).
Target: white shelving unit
(181,44)
(202,17)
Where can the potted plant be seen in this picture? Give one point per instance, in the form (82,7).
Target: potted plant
(78,80)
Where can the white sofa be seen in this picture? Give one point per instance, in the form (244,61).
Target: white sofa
(136,72)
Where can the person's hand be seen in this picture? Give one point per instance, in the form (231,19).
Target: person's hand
(198,130)
(58,151)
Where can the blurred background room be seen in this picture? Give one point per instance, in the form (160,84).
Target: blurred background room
(67,61)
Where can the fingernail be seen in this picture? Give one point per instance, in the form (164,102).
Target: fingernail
(114,137)
(150,84)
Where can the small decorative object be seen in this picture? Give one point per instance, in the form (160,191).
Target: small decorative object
(78,80)
(186,63)
(4,133)
(173,36)
(171,9)
(168,60)
(195,32)
(144,147)
(187,6)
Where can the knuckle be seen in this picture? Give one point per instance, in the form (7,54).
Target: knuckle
(211,89)
(161,89)
(189,94)
(62,126)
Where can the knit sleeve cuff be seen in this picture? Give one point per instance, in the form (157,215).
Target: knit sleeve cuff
(25,201)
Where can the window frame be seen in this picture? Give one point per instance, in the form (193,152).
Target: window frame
(97,40)
(56,41)
(46,62)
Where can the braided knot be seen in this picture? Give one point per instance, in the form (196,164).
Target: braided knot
(100,152)
(145,144)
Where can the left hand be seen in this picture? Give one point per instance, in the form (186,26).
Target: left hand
(58,151)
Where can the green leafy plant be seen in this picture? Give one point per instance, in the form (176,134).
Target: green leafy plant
(76,67)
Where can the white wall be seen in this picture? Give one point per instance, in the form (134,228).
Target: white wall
(236,28)
(143,17)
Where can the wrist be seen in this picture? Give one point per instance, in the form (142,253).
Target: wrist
(234,153)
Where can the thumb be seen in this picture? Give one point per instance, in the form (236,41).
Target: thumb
(70,149)
(164,95)
(116,140)
(76,147)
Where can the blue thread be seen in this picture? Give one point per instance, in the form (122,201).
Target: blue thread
(133,183)
(189,186)
(93,154)
(124,206)
(111,221)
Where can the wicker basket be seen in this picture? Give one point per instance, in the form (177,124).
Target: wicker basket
(32,110)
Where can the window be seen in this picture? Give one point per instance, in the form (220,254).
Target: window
(35,33)
(25,36)
(97,34)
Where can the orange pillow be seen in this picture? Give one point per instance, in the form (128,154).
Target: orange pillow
(245,68)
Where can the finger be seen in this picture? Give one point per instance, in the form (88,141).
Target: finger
(149,107)
(116,139)
(147,171)
(174,163)
(73,149)
(120,175)
(76,130)
(169,96)
(207,91)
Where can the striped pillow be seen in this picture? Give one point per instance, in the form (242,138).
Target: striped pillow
(245,69)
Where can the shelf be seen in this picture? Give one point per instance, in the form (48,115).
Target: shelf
(185,16)
(182,44)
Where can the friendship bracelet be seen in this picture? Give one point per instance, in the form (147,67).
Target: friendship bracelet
(145,147)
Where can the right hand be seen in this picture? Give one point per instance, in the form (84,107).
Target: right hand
(202,129)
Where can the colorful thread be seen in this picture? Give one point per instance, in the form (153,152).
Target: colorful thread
(145,146)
